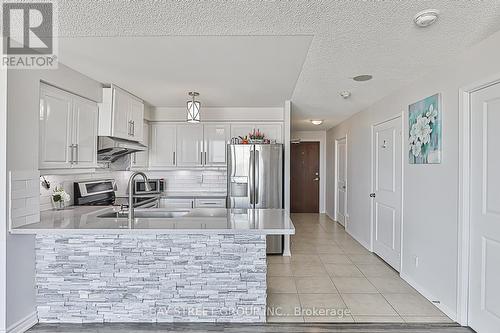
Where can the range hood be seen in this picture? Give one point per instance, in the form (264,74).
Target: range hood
(110,149)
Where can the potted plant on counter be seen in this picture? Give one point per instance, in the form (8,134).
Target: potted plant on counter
(60,198)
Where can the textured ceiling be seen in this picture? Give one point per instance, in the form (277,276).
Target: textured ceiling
(228,71)
(350,37)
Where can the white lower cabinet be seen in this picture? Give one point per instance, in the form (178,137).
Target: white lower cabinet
(210,203)
(177,203)
(68,130)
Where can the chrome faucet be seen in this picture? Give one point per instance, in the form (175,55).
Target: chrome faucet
(147,187)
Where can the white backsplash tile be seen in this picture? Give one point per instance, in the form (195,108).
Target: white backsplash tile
(191,181)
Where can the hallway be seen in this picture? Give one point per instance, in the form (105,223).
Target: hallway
(330,271)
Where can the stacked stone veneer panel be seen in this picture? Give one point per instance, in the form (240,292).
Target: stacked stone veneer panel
(151,278)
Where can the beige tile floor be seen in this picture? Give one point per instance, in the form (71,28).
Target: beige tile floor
(330,277)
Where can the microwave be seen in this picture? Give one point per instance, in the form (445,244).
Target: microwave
(157,186)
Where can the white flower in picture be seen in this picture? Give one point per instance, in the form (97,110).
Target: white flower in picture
(416,148)
(422,130)
(432,114)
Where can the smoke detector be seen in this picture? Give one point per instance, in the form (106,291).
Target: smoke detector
(363,78)
(345,94)
(426,18)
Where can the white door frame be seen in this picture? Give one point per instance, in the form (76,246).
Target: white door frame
(464,196)
(336,203)
(403,154)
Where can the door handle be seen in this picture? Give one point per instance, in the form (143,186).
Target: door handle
(257,176)
(372,195)
(251,177)
(316,179)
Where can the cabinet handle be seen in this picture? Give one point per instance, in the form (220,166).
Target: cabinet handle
(72,154)
(76,153)
(201,158)
(129,128)
(174,159)
(205,158)
(133,128)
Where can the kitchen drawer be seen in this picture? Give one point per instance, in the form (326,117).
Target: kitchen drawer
(177,203)
(210,203)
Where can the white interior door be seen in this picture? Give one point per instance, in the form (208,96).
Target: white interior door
(484,293)
(341,180)
(387,171)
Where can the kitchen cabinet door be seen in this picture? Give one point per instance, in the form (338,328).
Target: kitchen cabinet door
(136,117)
(216,136)
(162,145)
(241,129)
(85,117)
(55,124)
(271,131)
(140,160)
(189,145)
(177,204)
(121,127)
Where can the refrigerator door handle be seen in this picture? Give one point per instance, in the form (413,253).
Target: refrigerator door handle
(251,180)
(257,175)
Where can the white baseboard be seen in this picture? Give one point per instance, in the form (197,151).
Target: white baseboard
(362,242)
(443,307)
(328,214)
(24,324)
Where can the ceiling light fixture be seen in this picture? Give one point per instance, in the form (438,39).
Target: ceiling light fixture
(362,78)
(317,122)
(426,17)
(193,108)
(345,94)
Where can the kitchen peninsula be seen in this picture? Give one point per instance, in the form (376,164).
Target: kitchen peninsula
(203,265)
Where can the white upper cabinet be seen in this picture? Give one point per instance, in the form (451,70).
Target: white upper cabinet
(162,145)
(272,131)
(85,118)
(55,129)
(241,129)
(68,130)
(121,115)
(140,160)
(189,146)
(215,136)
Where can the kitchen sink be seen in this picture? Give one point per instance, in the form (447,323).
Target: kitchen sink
(145,214)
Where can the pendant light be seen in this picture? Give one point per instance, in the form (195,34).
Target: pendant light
(193,108)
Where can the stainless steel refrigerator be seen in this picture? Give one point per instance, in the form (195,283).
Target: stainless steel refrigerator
(255,180)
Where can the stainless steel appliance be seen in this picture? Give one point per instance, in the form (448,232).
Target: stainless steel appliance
(255,180)
(156,185)
(102,193)
(110,149)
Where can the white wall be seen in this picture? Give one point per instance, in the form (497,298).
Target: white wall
(430,227)
(22,154)
(318,136)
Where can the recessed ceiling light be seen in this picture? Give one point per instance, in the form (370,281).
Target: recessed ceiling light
(426,17)
(345,94)
(317,122)
(362,78)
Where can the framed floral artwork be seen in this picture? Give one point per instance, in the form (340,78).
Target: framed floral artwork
(425,137)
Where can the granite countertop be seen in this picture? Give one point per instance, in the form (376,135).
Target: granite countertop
(89,220)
